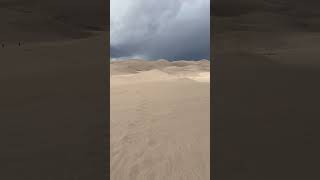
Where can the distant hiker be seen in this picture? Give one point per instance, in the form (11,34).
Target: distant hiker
(19,44)
(2,45)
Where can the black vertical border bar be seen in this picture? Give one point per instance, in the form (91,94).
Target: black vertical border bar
(214,122)
(107,90)
(40,136)
(211,92)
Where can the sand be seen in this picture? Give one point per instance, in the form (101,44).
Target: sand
(160,122)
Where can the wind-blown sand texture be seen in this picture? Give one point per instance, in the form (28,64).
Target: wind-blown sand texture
(160,122)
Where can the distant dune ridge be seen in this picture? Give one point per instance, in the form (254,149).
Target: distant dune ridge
(133,71)
(160,120)
(136,65)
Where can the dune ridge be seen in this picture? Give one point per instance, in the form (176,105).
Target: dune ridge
(160,69)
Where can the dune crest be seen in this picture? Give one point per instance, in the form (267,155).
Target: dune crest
(135,71)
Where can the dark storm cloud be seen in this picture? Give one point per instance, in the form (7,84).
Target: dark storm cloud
(169,29)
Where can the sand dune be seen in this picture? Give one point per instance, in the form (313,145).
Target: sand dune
(141,71)
(160,124)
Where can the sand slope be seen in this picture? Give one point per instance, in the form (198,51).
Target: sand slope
(160,124)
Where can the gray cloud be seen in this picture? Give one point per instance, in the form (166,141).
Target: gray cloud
(169,29)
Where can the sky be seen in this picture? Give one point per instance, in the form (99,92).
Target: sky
(166,29)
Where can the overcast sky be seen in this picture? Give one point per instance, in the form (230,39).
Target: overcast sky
(160,29)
